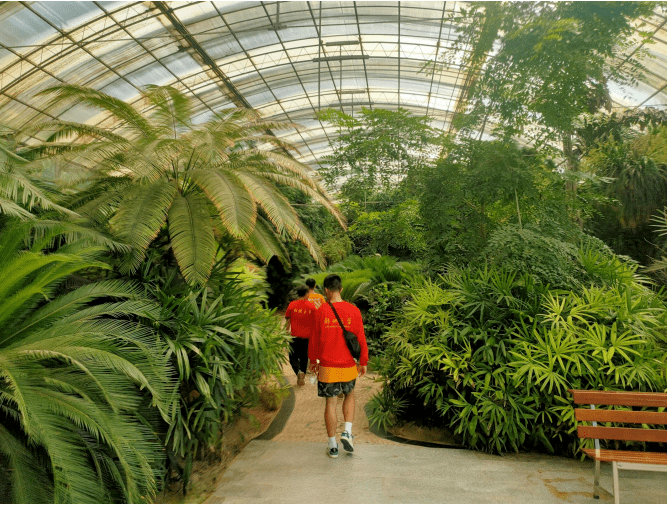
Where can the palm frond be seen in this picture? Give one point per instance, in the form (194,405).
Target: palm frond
(235,205)
(89,96)
(192,237)
(266,244)
(139,220)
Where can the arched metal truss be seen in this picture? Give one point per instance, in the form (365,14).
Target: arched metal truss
(285,59)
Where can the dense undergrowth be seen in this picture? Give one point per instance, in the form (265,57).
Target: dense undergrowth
(491,352)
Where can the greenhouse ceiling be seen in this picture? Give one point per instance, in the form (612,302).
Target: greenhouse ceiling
(285,59)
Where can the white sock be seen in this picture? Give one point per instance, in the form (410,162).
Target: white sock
(332,442)
(348,428)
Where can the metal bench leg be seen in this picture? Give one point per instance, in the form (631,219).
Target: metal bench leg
(617,498)
(596,481)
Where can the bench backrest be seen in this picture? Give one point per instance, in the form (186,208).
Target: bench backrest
(620,398)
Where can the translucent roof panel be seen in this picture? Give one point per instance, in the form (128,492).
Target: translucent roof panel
(286,59)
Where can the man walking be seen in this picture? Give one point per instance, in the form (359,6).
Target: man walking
(300,316)
(333,363)
(314,298)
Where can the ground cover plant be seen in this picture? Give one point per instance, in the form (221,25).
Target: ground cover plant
(491,352)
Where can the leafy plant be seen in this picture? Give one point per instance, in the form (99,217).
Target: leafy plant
(222,343)
(203,181)
(491,352)
(78,374)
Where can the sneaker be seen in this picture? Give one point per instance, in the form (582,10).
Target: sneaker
(347,440)
(332,453)
(301,379)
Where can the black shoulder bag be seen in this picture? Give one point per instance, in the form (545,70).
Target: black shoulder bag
(350,338)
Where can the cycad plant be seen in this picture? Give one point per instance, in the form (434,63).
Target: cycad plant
(20,193)
(202,180)
(78,375)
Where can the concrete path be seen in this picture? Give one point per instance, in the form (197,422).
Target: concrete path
(300,472)
(292,467)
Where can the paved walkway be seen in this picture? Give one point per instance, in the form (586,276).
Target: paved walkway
(292,467)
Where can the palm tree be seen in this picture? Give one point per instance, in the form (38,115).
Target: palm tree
(20,193)
(202,180)
(72,371)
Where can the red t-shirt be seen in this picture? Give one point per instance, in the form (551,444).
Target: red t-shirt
(327,342)
(302,318)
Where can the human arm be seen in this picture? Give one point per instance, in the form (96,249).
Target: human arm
(313,344)
(288,324)
(361,337)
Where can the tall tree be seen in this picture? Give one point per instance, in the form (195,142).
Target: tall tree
(550,62)
(376,150)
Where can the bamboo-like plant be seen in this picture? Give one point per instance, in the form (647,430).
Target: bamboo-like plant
(159,167)
(72,369)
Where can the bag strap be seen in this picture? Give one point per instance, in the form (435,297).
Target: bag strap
(337,316)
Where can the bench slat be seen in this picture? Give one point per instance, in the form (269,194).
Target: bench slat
(628,399)
(620,416)
(636,434)
(648,458)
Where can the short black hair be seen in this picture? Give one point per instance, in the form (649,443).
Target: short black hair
(332,282)
(302,291)
(311,283)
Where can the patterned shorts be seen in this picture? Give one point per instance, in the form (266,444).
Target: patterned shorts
(331,389)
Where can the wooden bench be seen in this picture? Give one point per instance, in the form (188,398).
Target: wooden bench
(623,460)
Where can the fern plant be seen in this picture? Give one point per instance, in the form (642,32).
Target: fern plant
(78,375)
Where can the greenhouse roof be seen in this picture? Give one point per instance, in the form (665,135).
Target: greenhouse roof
(285,59)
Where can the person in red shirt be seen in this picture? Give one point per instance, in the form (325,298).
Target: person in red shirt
(333,363)
(300,316)
(314,298)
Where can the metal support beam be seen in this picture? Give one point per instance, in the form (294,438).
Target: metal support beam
(200,54)
(342,57)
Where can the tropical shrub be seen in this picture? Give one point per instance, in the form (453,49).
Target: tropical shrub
(491,353)
(78,376)
(222,344)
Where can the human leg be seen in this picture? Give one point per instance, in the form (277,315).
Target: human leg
(303,356)
(331,420)
(330,417)
(294,355)
(346,437)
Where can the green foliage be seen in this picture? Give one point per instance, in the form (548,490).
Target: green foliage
(376,149)
(479,186)
(78,374)
(397,232)
(21,193)
(635,170)
(549,260)
(491,353)
(550,64)
(203,182)
(222,343)
(385,301)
